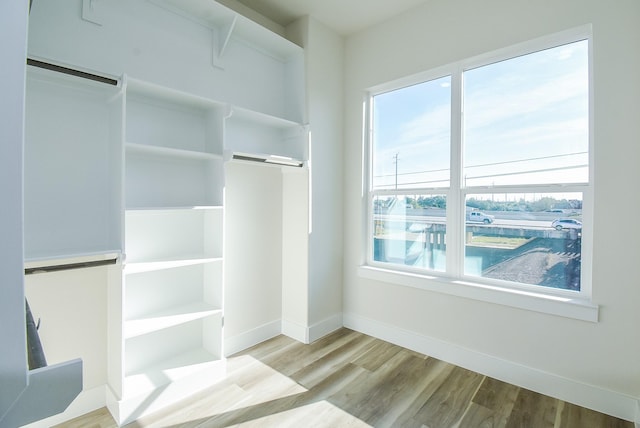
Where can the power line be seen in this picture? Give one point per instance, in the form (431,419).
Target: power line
(505,174)
(482,165)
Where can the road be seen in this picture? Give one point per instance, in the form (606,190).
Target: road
(503,219)
(532,224)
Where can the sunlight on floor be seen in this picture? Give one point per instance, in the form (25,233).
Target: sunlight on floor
(256,389)
(319,414)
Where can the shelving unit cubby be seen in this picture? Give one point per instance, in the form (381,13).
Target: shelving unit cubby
(72,164)
(247,131)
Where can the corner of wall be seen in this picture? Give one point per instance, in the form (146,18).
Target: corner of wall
(324,327)
(254,16)
(298,31)
(252,337)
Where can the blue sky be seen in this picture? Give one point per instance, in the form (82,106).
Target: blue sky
(532,107)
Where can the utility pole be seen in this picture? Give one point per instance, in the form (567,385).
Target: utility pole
(395,159)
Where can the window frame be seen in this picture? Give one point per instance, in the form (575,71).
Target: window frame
(453,280)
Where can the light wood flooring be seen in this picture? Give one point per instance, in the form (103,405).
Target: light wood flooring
(349,379)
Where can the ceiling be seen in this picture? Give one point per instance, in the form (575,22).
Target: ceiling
(343,16)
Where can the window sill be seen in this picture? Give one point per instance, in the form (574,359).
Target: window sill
(580,309)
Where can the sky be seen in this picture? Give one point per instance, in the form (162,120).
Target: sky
(525,121)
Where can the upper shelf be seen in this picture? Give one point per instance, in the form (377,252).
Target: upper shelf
(151,90)
(232,24)
(170,152)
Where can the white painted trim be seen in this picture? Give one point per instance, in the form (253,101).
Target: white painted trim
(324,327)
(252,337)
(87,401)
(638,413)
(564,306)
(602,400)
(295,331)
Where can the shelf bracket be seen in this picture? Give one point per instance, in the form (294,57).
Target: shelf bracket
(221,37)
(228,111)
(89,13)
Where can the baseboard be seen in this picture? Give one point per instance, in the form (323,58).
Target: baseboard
(252,337)
(314,332)
(324,327)
(87,401)
(593,397)
(295,331)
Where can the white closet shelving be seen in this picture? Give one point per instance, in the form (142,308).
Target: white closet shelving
(138,170)
(173,242)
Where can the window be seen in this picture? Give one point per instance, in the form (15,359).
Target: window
(481,171)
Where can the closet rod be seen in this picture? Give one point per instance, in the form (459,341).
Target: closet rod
(68,266)
(71,71)
(272,159)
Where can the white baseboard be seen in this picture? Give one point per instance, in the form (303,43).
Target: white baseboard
(324,327)
(87,401)
(314,332)
(593,397)
(252,337)
(295,331)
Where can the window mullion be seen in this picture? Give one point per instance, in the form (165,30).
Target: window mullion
(367,179)
(455,204)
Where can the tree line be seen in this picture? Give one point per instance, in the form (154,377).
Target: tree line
(539,205)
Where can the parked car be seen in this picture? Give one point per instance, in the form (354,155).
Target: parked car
(566,223)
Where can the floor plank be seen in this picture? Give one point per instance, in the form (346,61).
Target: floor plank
(448,404)
(348,379)
(532,410)
(491,405)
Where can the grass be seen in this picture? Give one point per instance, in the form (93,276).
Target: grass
(506,242)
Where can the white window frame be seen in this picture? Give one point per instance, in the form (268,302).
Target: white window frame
(572,304)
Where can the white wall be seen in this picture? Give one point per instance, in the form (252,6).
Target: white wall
(324,65)
(596,364)
(325,68)
(295,255)
(13,26)
(253,254)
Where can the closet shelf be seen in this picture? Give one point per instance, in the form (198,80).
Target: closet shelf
(147,149)
(141,88)
(168,263)
(265,119)
(160,209)
(160,320)
(214,15)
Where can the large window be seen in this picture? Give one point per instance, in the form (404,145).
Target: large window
(481,171)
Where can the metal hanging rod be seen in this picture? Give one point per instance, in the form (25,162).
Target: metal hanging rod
(68,266)
(71,71)
(272,159)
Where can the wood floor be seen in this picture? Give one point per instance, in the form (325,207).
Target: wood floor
(348,379)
